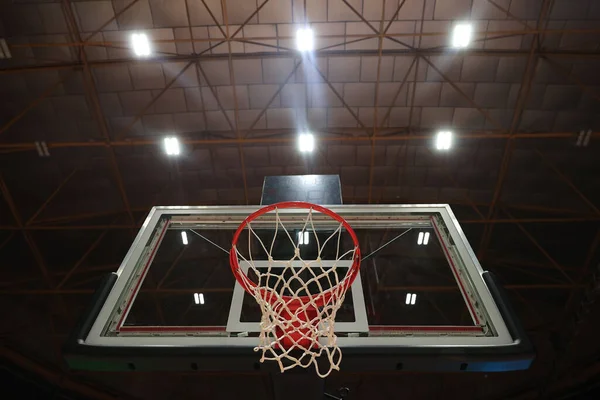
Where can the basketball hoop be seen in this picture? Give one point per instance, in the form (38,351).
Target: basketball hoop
(298,298)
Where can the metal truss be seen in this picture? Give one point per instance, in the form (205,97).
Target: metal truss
(58,284)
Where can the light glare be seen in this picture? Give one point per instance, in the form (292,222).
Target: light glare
(461,36)
(199,298)
(411,298)
(426,238)
(420,239)
(171,146)
(306,142)
(443,140)
(140,44)
(305,40)
(184,237)
(303,237)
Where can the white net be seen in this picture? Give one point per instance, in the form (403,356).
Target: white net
(298,297)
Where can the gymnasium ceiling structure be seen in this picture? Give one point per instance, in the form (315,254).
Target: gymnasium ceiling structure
(84,114)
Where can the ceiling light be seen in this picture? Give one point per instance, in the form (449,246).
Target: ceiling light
(461,35)
(199,298)
(171,146)
(306,143)
(305,39)
(140,44)
(420,239)
(426,238)
(184,238)
(411,299)
(443,141)
(303,237)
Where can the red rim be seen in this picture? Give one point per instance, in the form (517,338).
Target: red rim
(321,299)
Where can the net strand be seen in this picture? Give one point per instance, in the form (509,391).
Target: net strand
(297,328)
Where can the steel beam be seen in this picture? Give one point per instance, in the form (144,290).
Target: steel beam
(82,258)
(481,110)
(522,98)
(568,181)
(290,137)
(540,248)
(376,106)
(27,235)
(49,199)
(402,84)
(567,73)
(34,103)
(462,221)
(139,116)
(339,96)
(235,99)
(92,93)
(375,34)
(325,53)
(281,86)
(509,14)
(171,291)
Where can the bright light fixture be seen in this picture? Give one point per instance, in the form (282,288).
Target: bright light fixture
(184,239)
(461,35)
(171,146)
(303,237)
(423,238)
(306,143)
(305,40)
(426,238)
(411,298)
(199,298)
(140,44)
(443,141)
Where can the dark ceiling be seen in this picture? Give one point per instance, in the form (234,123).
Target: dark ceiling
(522,182)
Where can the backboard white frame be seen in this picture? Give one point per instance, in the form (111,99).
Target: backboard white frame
(359,216)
